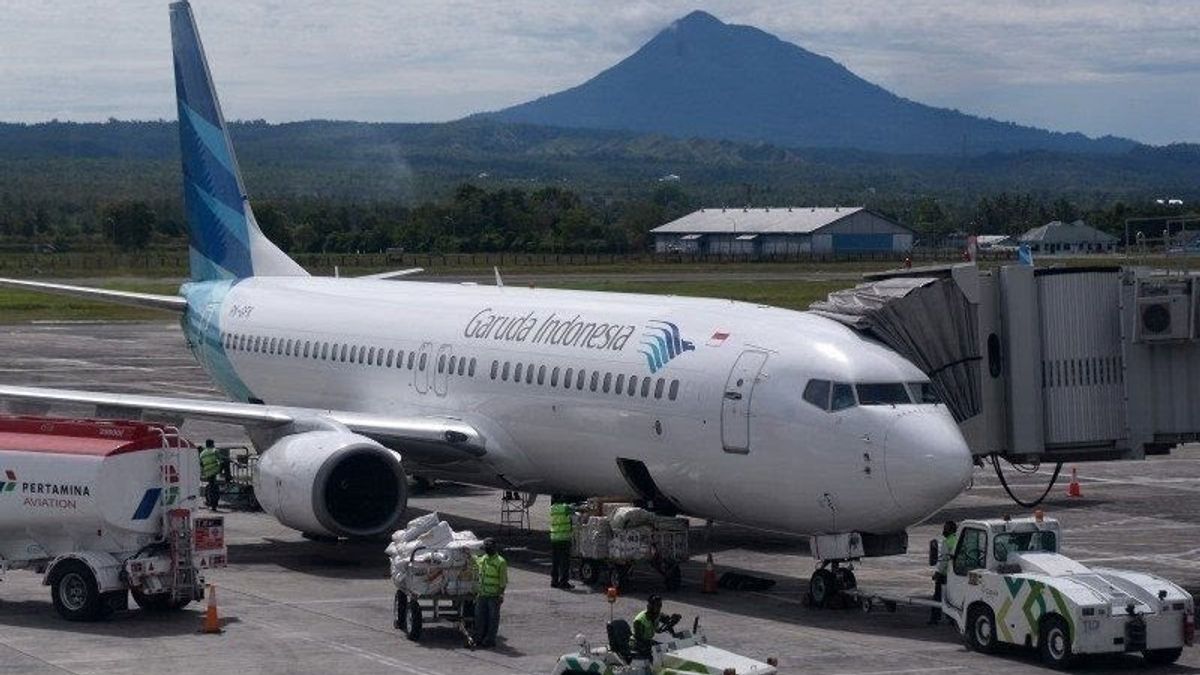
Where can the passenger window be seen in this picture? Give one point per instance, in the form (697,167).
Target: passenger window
(529,373)
(391,357)
(674,390)
(441,364)
(567,378)
(424,361)
(371,356)
(607,382)
(354,354)
(971,553)
(504,373)
(595,380)
(554,377)
(633,380)
(272,345)
(816,392)
(579,378)
(462,365)
(619,386)
(471,370)
(242,343)
(307,348)
(411,356)
(287,351)
(453,363)
(517,373)
(495,368)
(324,351)
(541,375)
(658,387)
(843,397)
(345,349)
(645,387)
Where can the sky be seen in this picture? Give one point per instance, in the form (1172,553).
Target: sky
(1123,67)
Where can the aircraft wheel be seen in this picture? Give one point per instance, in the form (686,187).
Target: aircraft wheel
(823,588)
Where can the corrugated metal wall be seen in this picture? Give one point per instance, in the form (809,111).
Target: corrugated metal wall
(1082,385)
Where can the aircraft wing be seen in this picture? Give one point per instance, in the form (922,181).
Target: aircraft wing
(144,300)
(393,274)
(446,437)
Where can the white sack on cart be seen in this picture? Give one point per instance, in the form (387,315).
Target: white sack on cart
(629,517)
(417,527)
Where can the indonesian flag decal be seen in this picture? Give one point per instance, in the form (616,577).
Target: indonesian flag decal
(718,338)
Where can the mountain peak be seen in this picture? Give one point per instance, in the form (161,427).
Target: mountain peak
(701,77)
(697,19)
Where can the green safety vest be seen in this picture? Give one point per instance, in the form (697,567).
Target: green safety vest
(948,545)
(643,628)
(493,575)
(210,463)
(560,522)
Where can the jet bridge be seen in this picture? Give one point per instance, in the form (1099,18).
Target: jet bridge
(1046,364)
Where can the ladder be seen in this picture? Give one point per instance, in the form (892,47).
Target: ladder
(177,519)
(514,513)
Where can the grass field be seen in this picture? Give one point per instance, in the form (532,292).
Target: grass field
(26,306)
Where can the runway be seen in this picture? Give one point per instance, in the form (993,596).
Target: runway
(296,606)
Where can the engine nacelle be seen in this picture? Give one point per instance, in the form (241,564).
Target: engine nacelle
(332,483)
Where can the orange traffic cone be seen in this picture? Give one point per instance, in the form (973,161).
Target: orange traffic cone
(1073,488)
(212,622)
(709,584)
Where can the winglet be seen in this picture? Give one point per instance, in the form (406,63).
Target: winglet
(499,281)
(225,240)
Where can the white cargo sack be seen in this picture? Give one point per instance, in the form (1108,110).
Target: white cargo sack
(417,527)
(629,517)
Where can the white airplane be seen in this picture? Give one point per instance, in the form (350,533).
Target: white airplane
(723,410)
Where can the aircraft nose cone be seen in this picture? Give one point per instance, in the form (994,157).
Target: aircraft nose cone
(928,462)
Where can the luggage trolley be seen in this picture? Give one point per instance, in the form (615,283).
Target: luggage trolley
(413,610)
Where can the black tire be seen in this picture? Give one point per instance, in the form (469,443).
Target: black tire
(589,571)
(412,628)
(846,579)
(673,578)
(1162,657)
(981,629)
(400,611)
(823,588)
(1054,642)
(74,591)
(158,602)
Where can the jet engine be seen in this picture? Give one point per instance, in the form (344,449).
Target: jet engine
(332,483)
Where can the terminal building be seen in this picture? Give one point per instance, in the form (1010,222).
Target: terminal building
(783,231)
(1076,237)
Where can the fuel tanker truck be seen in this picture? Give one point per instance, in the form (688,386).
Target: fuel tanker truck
(104,509)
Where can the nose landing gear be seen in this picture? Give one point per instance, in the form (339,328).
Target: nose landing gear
(827,586)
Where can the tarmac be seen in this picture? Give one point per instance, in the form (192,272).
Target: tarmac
(289,605)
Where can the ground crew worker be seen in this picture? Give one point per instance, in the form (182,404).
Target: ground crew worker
(492,570)
(945,553)
(560,543)
(210,468)
(648,623)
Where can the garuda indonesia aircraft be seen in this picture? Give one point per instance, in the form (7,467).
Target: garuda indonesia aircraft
(724,410)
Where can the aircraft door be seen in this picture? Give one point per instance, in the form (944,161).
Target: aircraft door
(424,367)
(442,373)
(736,402)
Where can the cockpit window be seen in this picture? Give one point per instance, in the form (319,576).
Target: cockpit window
(843,397)
(922,392)
(883,393)
(817,393)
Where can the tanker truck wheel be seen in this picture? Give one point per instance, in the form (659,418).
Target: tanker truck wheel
(74,591)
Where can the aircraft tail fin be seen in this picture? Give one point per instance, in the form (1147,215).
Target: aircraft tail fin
(225,241)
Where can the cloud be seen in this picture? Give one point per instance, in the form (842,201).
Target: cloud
(420,60)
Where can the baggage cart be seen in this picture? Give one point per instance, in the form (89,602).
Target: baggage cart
(414,607)
(610,560)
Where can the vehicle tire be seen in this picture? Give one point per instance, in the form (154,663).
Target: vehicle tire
(74,591)
(1162,657)
(981,629)
(673,579)
(846,579)
(823,588)
(1054,642)
(589,571)
(400,611)
(412,627)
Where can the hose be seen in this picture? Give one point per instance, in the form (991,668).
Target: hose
(1028,505)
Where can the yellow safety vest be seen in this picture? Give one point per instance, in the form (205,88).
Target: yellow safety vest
(560,522)
(210,463)
(948,544)
(493,575)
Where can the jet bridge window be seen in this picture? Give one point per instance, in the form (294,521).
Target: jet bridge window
(816,392)
(883,393)
(843,397)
